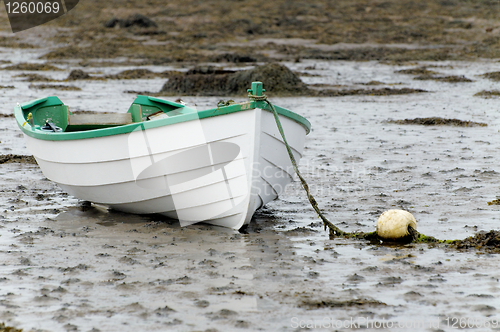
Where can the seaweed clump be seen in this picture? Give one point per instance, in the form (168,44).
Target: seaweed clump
(14,158)
(495,76)
(373,238)
(366,92)
(489,241)
(32,67)
(426,74)
(35,78)
(487,94)
(55,86)
(417,71)
(486,241)
(4,328)
(421,238)
(446,79)
(138,73)
(311,304)
(437,121)
(212,81)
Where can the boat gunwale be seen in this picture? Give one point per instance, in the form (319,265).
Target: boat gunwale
(144,125)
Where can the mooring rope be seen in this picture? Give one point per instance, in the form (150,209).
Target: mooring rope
(334,230)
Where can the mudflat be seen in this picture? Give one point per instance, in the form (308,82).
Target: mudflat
(71,266)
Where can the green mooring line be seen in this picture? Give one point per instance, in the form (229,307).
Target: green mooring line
(477,241)
(334,230)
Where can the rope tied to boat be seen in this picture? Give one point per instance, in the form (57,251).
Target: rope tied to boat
(334,230)
(29,119)
(223,103)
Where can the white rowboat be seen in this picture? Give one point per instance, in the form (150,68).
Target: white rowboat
(216,166)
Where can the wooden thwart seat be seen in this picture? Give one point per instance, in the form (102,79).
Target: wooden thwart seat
(96,121)
(100,119)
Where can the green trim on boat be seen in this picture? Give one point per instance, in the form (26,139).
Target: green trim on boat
(151,105)
(53,109)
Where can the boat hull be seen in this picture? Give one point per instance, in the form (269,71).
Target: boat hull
(218,170)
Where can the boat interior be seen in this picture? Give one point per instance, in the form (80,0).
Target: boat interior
(51,114)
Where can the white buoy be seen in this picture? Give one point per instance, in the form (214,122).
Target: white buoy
(397,225)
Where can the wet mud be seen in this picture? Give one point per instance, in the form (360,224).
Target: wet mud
(395,31)
(73,266)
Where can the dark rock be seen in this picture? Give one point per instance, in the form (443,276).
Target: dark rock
(112,23)
(234,58)
(78,74)
(277,78)
(138,20)
(132,74)
(208,70)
